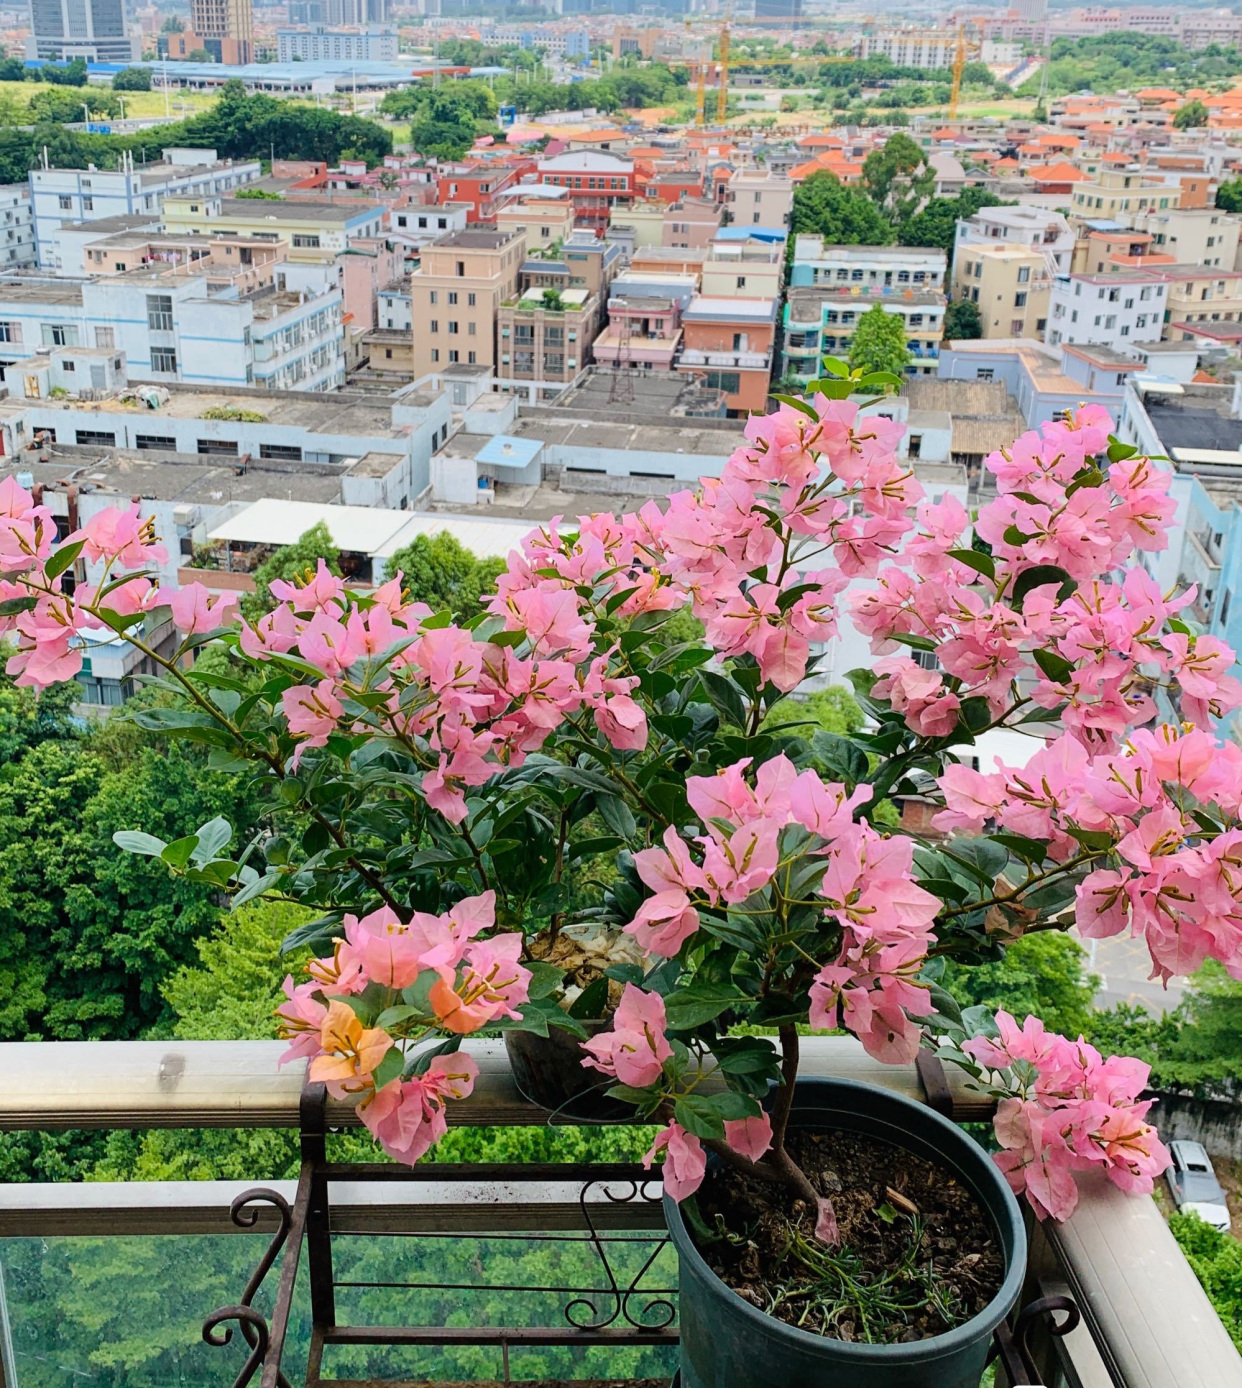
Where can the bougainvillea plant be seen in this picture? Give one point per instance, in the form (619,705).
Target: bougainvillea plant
(436,789)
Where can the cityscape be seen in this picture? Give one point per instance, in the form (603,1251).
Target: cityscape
(375,302)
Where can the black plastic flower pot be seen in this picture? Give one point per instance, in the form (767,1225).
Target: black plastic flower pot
(728,1343)
(548,1070)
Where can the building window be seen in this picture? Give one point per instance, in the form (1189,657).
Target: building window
(163,360)
(916,445)
(435,325)
(470,329)
(469,300)
(1024,274)
(461,269)
(305,242)
(156,441)
(454,355)
(66,204)
(159,313)
(434,297)
(452,326)
(435,354)
(1019,300)
(60,335)
(95,436)
(286,453)
(472,358)
(105,338)
(452,298)
(10,332)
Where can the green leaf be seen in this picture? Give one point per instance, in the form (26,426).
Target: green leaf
(1089,477)
(1043,715)
(591,1002)
(11,607)
(704,1115)
(686,1008)
(1118,452)
(390,1067)
(394,1016)
(315,935)
(134,841)
(1014,536)
(918,643)
(974,559)
(1096,840)
(1037,577)
(840,758)
(545,979)
(62,559)
(1054,665)
(211,838)
(726,697)
(1030,850)
(178,853)
(616,815)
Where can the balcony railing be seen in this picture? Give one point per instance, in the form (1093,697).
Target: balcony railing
(1146,1321)
(738,361)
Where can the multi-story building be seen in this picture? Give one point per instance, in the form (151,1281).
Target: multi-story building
(317,232)
(88,195)
(1117,194)
(545,334)
(1010,283)
(1192,236)
(416,225)
(896,268)
(598,182)
(393,307)
(727,344)
(320,44)
(822,320)
(759,199)
(1114,310)
(926,48)
(455,294)
(225,19)
(364,267)
(693,222)
(92,29)
(477,183)
(1022,225)
(17,241)
(1198,295)
(169,326)
(743,269)
(543,221)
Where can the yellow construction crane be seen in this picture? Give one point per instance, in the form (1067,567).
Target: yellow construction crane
(722,87)
(959,66)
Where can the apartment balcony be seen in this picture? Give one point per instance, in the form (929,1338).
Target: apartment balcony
(428,1274)
(619,349)
(733,361)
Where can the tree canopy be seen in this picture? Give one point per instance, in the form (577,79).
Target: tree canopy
(879,342)
(1190,116)
(935,224)
(962,321)
(897,177)
(289,564)
(842,216)
(438,570)
(132,79)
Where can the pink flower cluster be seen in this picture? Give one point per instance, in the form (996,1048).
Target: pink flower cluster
(1102,644)
(473,984)
(1067,1109)
(867,889)
(1177,882)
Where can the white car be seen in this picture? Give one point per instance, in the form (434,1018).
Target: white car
(1194,1187)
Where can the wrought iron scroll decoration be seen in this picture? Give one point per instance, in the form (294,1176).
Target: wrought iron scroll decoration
(244,1212)
(658,1312)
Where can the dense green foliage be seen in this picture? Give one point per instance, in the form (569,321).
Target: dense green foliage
(132,79)
(237,127)
(879,342)
(1042,975)
(1217,1261)
(71,74)
(935,224)
(444,574)
(290,563)
(1126,61)
(1229,195)
(1190,116)
(962,321)
(897,177)
(842,216)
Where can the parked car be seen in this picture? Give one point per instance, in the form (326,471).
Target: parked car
(1194,1185)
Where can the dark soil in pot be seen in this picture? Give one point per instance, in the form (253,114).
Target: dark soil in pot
(918,1255)
(548,1070)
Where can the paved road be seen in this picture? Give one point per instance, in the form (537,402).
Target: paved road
(1123,965)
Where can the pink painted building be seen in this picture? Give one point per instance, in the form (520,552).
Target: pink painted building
(370,263)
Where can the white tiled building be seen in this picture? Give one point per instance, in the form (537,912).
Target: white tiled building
(1113,310)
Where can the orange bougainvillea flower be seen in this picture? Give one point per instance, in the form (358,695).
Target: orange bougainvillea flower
(351,1052)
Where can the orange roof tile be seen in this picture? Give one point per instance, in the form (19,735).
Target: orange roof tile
(820,141)
(1056,173)
(1006,164)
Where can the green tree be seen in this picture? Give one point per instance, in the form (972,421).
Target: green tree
(290,564)
(879,342)
(897,177)
(259,194)
(1042,975)
(962,321)
(1229,195)
(199,55)
(842,216)
(935,225)
(132,79)
(172,25)
(1216,1258)
(438,570)
(1190,116)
